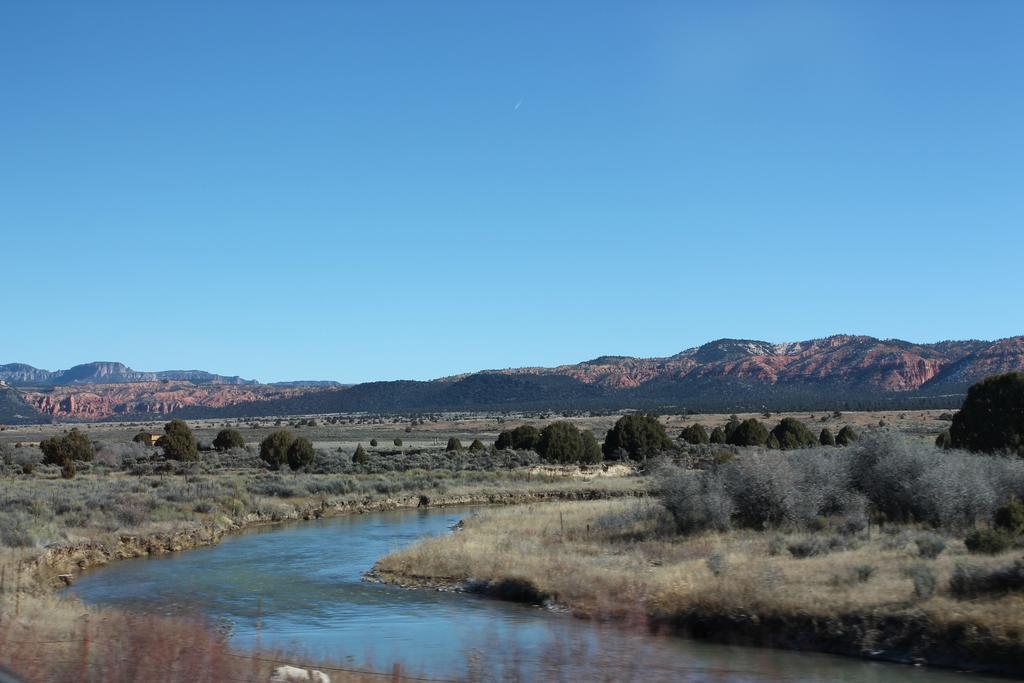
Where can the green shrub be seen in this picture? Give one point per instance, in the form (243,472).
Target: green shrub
(695,434)
(178,442)
(523,438)
(591,449)
(638,435)
(846,436)
(68,469)
(274,448)
(145,438)
(398,442)
(731,426)
(944,440)
(300,453)
(373,443)
(750,432)
(992,416)
(989,541)
(792,433)
(826,438)
(72,446)
(227,439)
(561,442)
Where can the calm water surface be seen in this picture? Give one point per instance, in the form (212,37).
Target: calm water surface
(299,587)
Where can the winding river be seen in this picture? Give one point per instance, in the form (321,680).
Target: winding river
(298,587)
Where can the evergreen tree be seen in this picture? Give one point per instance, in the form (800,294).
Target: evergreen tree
(359,456)
(274,448)
(639,435)
(72,446)
(791,433)
(178,442)
(731,426)
(717,435)
(453,445)
(561,442)
(523,438)
(300,453)
(991,419)
(477,446)
(750,432)
(846,436)
(695,434)
(591,449)
(227,439)
(826,438)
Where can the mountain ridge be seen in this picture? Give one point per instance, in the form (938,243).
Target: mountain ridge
(725,373)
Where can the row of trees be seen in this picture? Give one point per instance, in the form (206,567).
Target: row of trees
(560,441)
(991,420)
(790,433)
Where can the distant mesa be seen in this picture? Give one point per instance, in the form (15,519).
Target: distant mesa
(726,374)
(104,372)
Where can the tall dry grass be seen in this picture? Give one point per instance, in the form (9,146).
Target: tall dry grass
(606,557)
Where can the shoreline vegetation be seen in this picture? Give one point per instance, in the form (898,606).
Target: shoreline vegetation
(887,544)
(617,561)
(884,548)
(105,516)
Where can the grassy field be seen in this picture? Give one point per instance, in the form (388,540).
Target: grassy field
(860,551)
(613,559)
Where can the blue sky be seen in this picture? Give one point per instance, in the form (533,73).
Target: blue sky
(359,191)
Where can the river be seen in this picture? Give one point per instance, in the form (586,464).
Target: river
(298,587)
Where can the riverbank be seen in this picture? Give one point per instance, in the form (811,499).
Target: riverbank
(874,595)
(71,526)
(46,637)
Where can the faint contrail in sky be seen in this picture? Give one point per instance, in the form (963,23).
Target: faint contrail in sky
(518,104)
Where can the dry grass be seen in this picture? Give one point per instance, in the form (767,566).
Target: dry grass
(606,557)
(47,638)
(44,638)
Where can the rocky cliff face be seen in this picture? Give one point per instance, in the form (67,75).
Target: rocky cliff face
(863,362)
(101,401)
(730,371)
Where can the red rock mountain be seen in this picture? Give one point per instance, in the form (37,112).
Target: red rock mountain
(721,374)
(865,362)
(102,401)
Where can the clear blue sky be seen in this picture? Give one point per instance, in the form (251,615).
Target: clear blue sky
(381,190)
